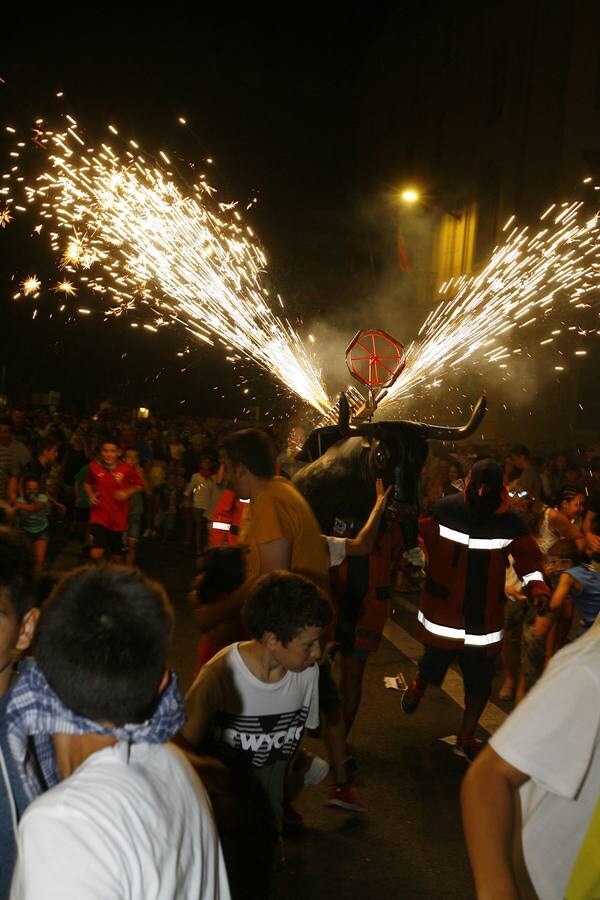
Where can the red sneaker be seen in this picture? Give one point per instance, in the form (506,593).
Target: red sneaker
(344,796)
(412,697)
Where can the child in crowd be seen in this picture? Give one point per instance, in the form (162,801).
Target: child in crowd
(125,815)
(136,508)
(223,570)
(157,474)
(17,625)
(33,518)
(577,582)
(202,492)
(110,484)
(250,704)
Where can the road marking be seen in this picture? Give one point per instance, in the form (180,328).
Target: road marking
(492,716)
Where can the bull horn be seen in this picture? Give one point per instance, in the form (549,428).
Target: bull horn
(442,433)
(344,416)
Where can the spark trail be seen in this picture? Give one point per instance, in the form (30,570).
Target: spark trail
(526,278)
(149,238)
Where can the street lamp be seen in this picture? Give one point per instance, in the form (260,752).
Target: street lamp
(410,195)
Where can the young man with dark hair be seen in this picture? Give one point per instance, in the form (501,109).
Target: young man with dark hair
(41,470)
(125,816)
(109,485)
(42,464)
(253,449)
(280,529)
(17,625)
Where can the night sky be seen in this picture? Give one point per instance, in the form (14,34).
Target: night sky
(320,115)
(274,102)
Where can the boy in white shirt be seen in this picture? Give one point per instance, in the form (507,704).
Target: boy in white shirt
(250,703)
(128,817)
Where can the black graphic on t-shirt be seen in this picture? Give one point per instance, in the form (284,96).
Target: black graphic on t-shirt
(263,739)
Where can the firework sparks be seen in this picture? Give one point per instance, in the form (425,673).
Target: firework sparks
(5,218)
(31,286)
(65,287)
(148,240)
(557,266)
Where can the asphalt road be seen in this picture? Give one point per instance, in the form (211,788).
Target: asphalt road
(410,842)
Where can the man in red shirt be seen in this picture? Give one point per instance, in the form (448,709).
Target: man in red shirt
(109,485)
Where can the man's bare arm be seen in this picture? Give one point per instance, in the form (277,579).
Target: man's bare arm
(561,524)
(592,540)
(275,554)
(364,541)
(487,799)
(90,492)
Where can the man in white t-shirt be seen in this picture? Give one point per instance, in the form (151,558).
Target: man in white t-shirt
(548,753)
(127,816)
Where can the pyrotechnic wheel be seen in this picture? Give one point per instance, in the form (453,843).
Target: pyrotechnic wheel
(375,358)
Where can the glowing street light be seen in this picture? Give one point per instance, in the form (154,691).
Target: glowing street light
(409,195)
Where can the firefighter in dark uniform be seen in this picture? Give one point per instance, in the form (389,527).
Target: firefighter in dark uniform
(468,538)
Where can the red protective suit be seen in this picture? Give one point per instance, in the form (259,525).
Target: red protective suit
(227,516)
(463,599)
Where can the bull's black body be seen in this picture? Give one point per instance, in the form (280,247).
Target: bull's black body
(343,463)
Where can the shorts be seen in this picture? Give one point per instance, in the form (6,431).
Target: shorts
(34,536)
(477,668)
(114,542)
(134,527)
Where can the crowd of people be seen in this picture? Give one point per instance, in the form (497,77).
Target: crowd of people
(201,791)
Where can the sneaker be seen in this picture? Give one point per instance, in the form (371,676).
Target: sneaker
(344,796)
(317,771)
(412,696)
(469,748)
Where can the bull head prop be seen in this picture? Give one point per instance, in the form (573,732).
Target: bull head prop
(344,460)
